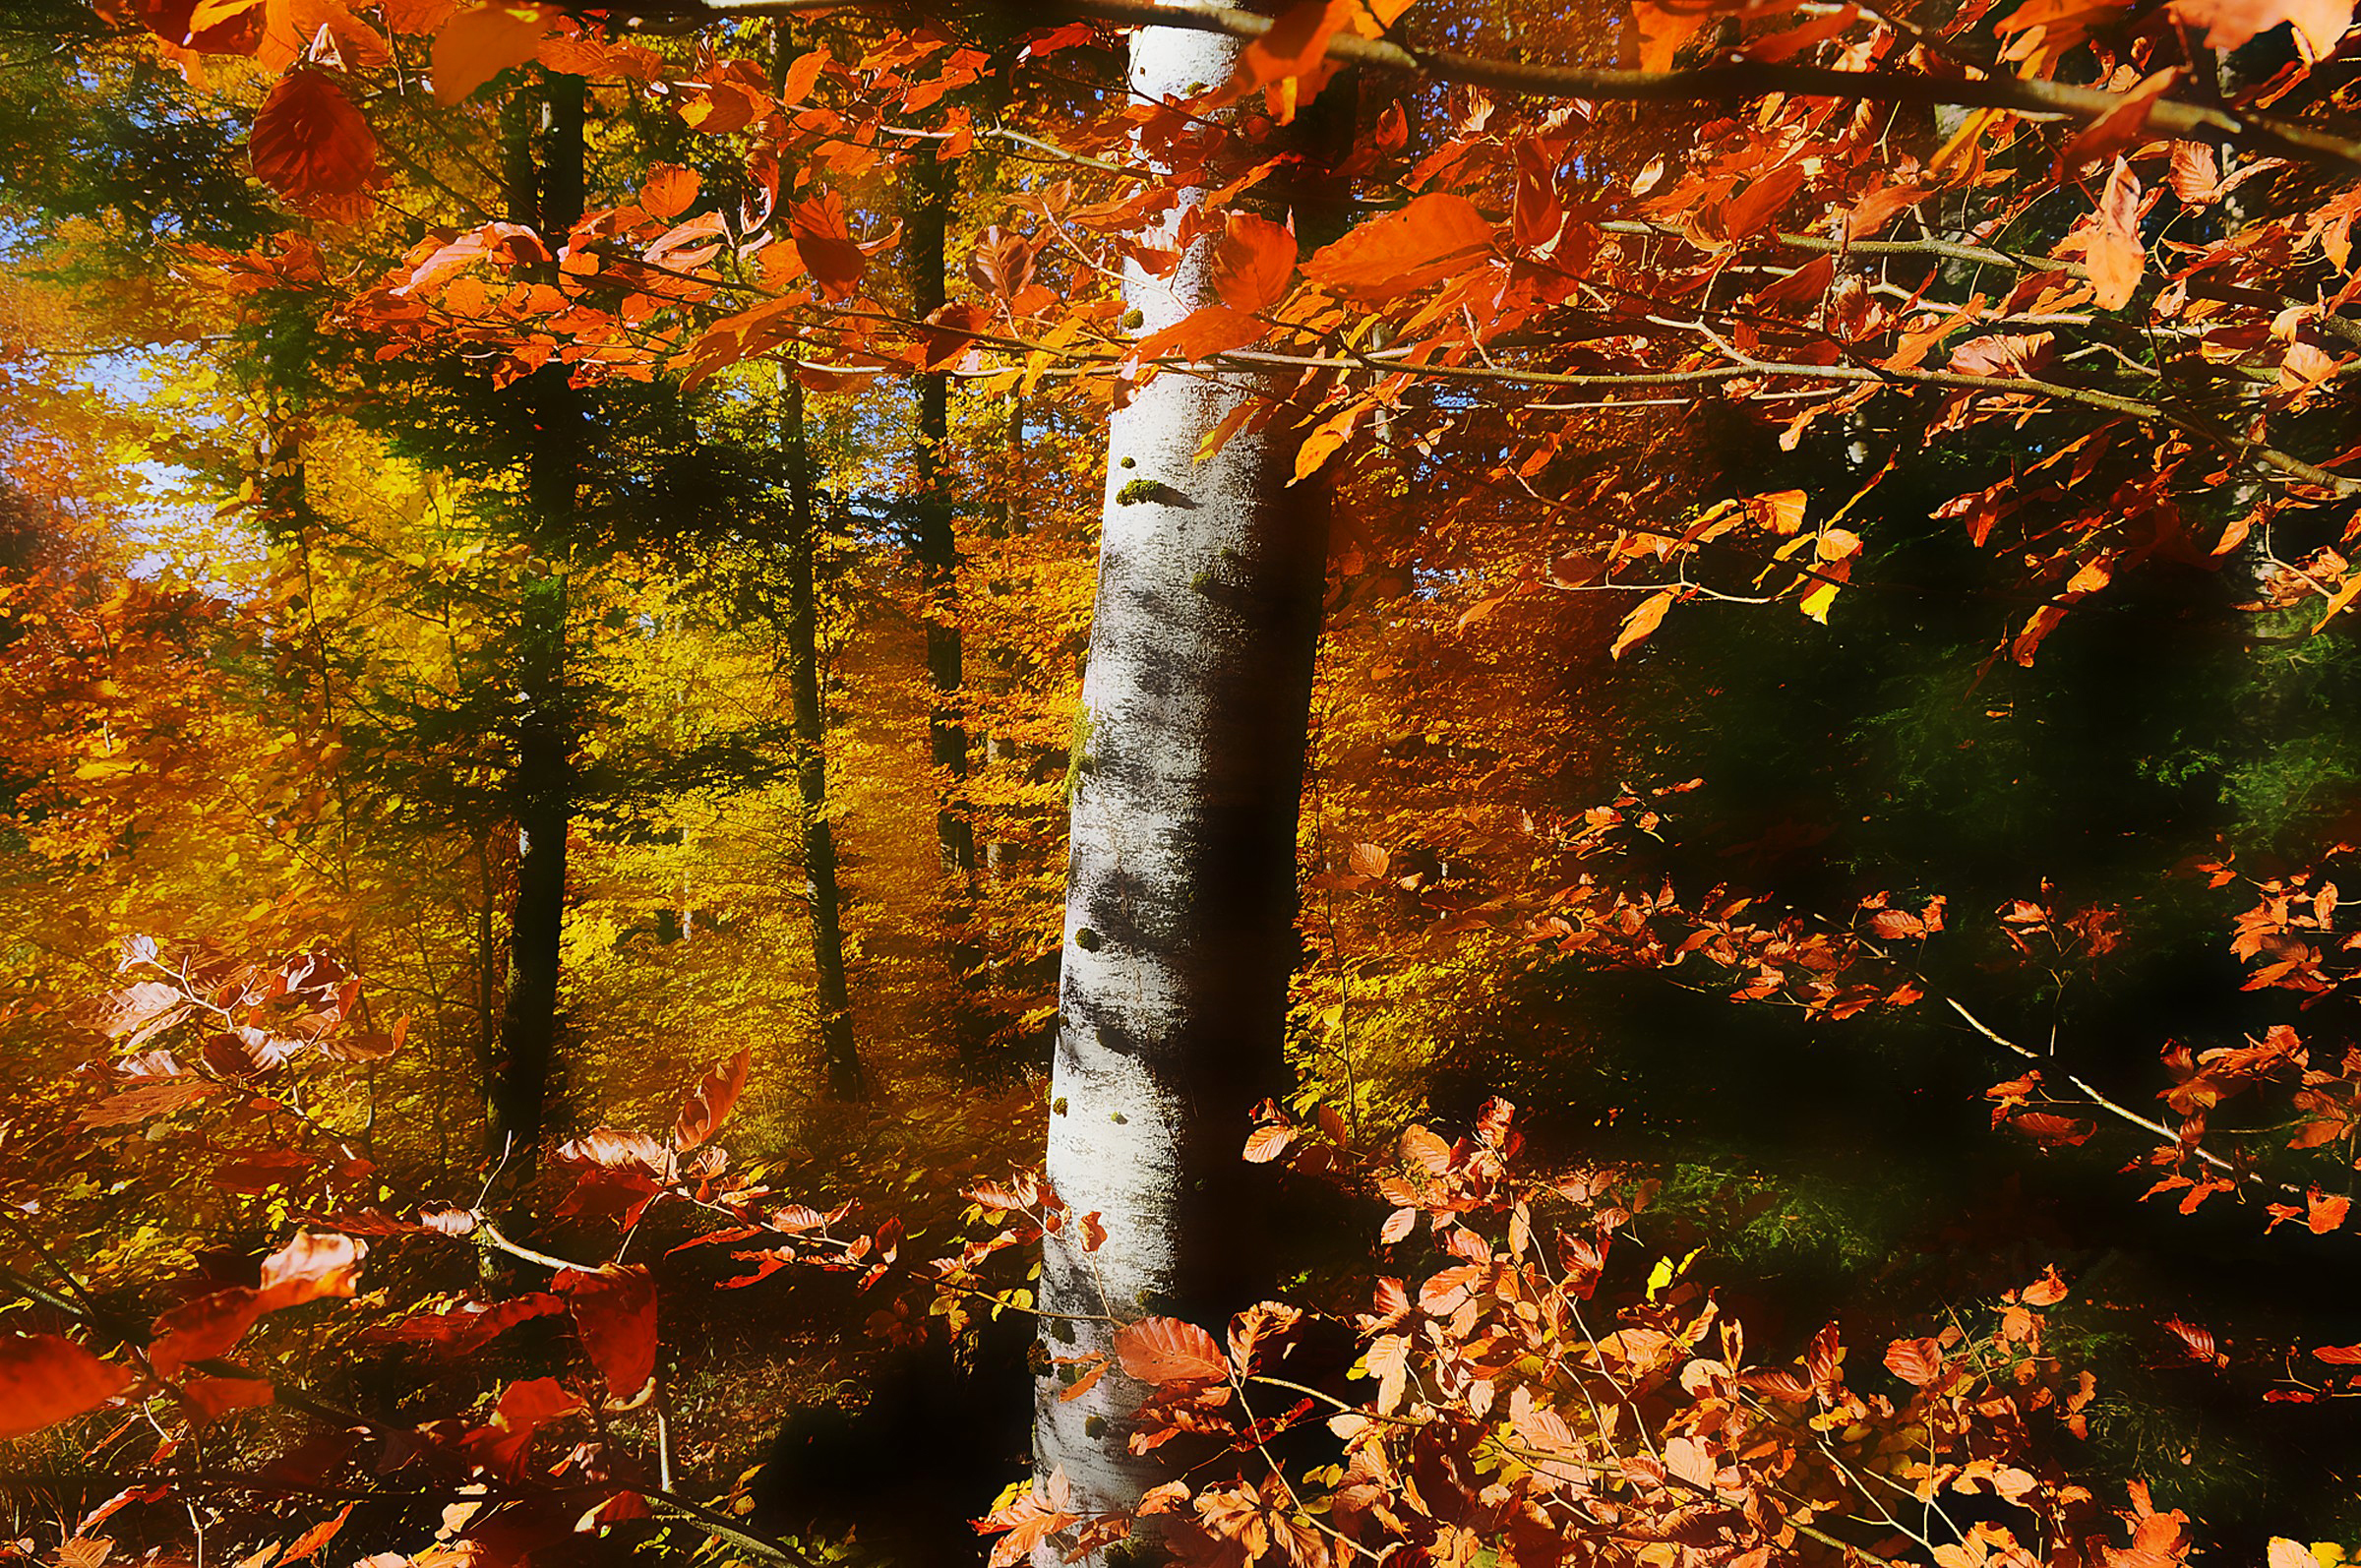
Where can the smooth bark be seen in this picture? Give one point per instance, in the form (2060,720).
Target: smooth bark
(1180,906)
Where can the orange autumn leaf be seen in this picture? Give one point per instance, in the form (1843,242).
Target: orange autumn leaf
(1295,45)
(1404,249)
(1645,617)
(1253,261)
(2229,24)
(668,191)
(1201,335)
(1165,1349)
(2115,255)
(478,44)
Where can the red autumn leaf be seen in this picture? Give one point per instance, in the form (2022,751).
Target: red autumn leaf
(1369,860)
(479,44)
(1265,1144)
(1253,261)
(45,1379)
(309,142)
(825,241)
(308,1268)
(2047,1126)
(615,1313)
(1404,250)
(1397,1226)
(1663,28)
(472,1325)
(709,1103)
(2339,1355)
(143,1101)
(668,191)
(2325,1212)
(2115,255)
(1917,1362)
(216,1396)
(201,1329)
(1761,201)
(1165,1349)
(950,332)
(1200,334)
(1645,617)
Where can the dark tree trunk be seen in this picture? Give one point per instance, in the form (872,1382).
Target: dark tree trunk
(840,1058)
(541,783)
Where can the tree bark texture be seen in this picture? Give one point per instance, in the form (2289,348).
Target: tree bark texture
(541,783)
(1179,925)
(839,1057)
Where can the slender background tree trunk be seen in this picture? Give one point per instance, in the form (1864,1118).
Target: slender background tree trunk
(838,1055)
(541,784)
(1181,904)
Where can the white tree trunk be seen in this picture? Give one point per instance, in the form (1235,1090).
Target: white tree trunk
(1179,925)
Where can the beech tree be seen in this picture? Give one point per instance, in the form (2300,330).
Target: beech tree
(1593,379)
(1181,902)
